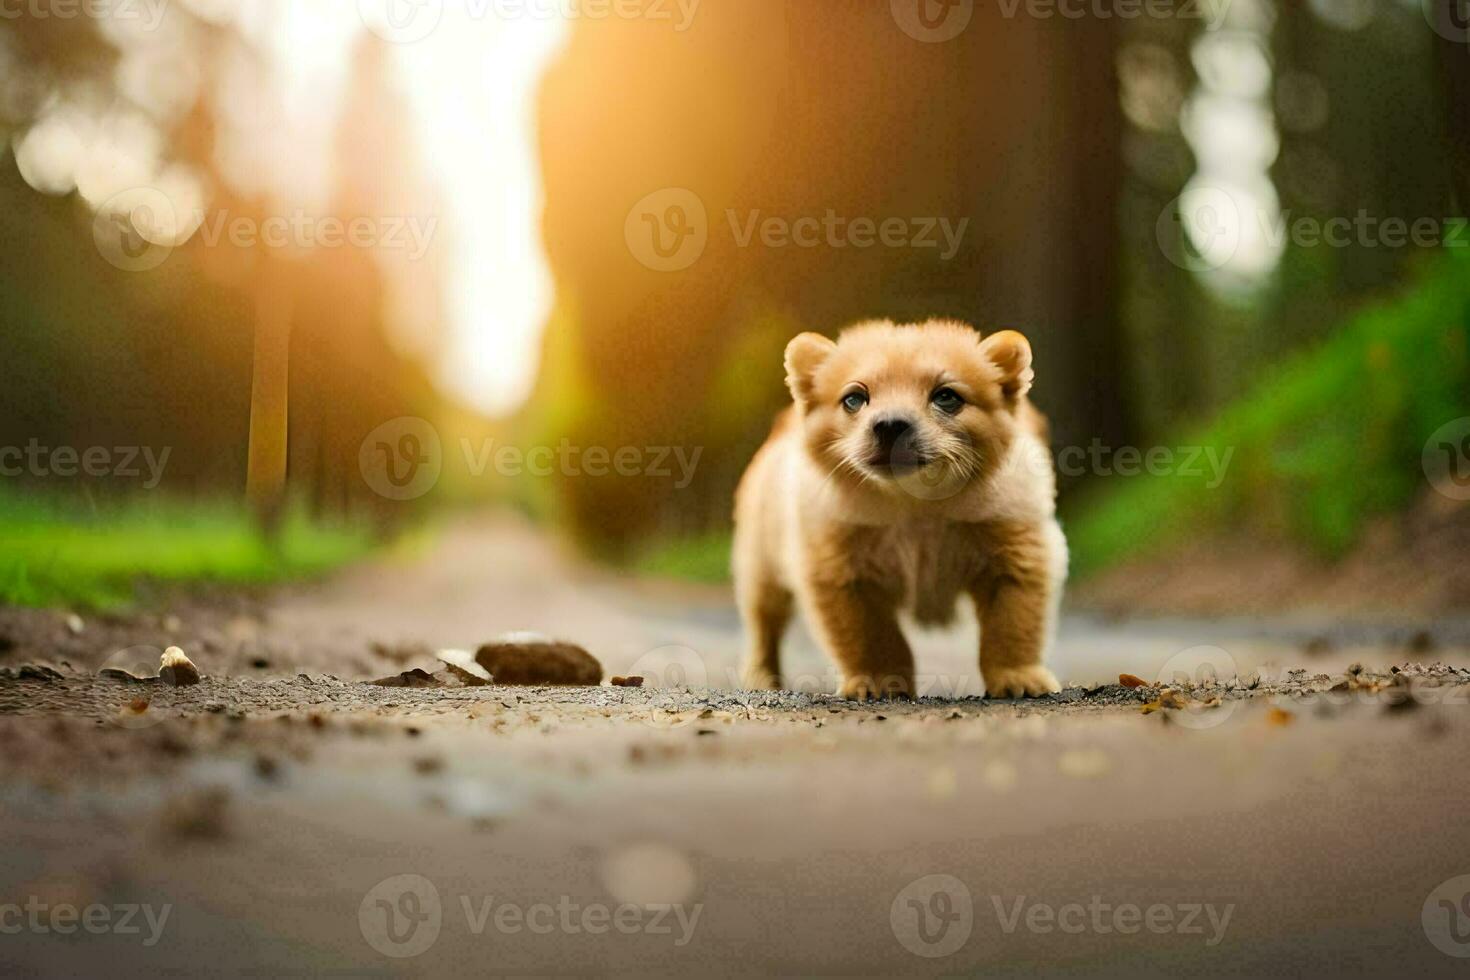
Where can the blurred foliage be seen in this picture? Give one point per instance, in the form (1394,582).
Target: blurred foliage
(163,358)
(63,553)
(695,558)
(1323,441)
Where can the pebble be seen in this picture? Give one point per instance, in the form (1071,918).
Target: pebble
(118,674)
(418,677)
(539,663)
(176,669)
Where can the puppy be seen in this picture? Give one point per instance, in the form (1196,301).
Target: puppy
(912,471)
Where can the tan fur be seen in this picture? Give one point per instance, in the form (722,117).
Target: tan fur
(852,529)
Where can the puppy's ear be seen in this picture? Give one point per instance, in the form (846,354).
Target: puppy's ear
(1010,352)
(804,355)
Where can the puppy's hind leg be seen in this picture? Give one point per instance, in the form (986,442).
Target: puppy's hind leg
(765,608)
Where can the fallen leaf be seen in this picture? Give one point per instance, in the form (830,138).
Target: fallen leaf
(1131,680)
(1168,698)
(1277,716)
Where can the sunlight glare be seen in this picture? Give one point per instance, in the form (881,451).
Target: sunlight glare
(473,88)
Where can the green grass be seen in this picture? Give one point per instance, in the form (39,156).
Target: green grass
(65,553)
(705,558)
(1323,442)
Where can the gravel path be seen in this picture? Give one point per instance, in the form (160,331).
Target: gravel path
(284,815)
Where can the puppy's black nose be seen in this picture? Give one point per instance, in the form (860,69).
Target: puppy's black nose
(889,431)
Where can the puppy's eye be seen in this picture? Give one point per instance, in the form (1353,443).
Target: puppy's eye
(853,401)
(947,400)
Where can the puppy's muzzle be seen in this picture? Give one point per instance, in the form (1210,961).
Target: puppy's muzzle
(895,444)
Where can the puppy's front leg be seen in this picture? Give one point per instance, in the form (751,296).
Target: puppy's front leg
(1017,603)
(859,627)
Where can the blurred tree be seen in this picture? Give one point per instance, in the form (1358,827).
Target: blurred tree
(776,109)
(205,352)
(1452,55)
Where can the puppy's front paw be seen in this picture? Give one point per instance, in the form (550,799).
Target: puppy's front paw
(1019,682)
(863,687)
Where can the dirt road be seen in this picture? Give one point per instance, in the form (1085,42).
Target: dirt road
(283,816)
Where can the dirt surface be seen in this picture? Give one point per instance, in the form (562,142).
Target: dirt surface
(1260,805)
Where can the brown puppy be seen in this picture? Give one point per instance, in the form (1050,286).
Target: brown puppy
(912,471)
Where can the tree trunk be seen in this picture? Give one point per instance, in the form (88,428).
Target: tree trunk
(1452,49)
(265,480)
